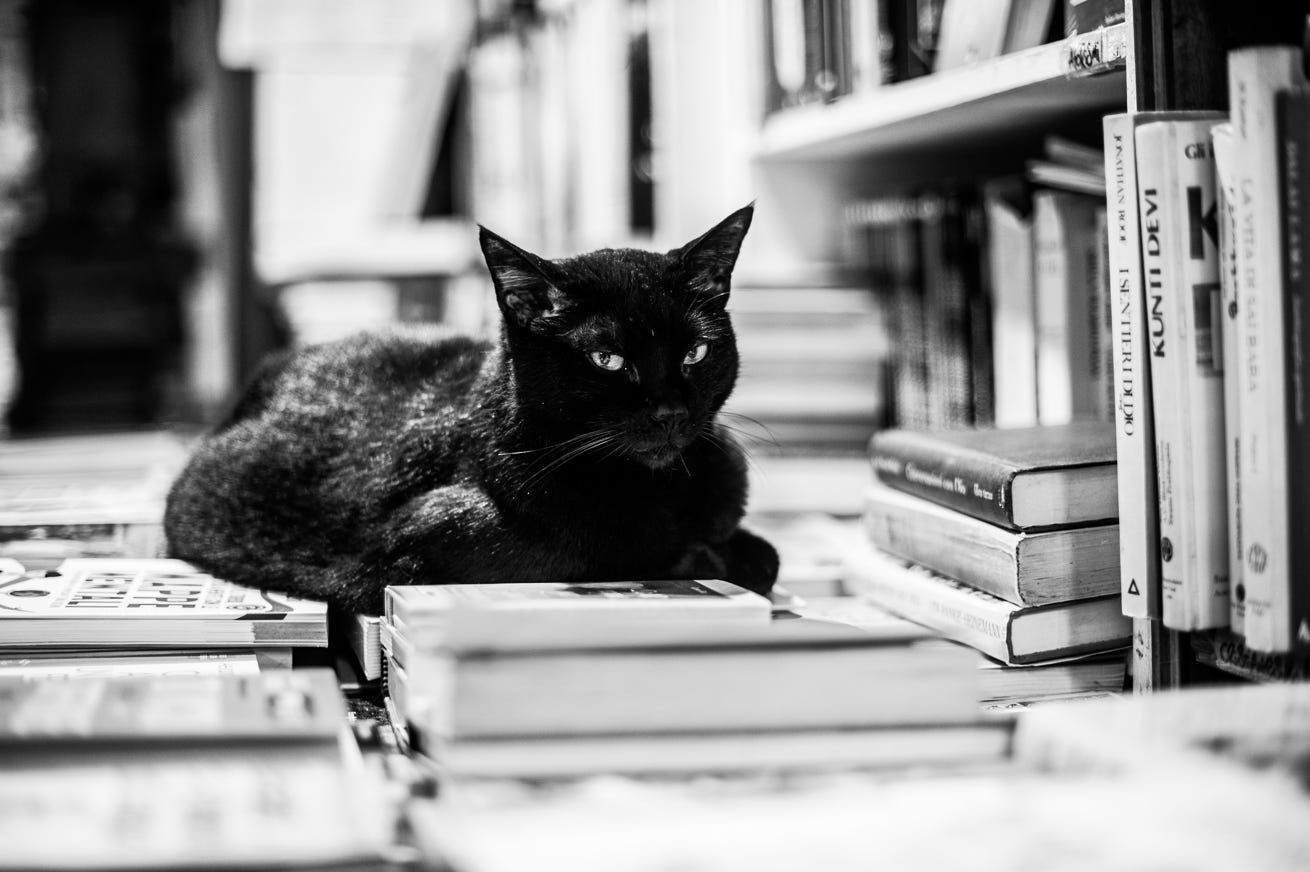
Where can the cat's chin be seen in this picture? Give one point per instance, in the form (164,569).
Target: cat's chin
(658,454)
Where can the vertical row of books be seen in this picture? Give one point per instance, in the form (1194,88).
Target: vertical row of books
(559,109)
(997,297)
(546,680)
(816,51)
(1208,252)
(1002,539)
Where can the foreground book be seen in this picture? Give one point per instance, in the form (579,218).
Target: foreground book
(555,757)
(778,675)
(149,603)
(507,608)
(1004,631)
(123,662)
(1025,568)
(301,705)
(1023,478)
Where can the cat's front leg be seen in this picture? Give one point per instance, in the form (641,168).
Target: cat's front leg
(743,559)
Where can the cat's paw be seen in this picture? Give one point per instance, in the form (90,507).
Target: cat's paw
(701,561)
(752,562)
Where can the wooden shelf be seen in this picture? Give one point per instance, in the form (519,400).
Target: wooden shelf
(1018,92)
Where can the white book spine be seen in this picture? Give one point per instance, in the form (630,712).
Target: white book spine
(1063,229)
(1221,136)
(1139,567)
(1014,344)
(1164,338)
(1193,241)
(1254,77)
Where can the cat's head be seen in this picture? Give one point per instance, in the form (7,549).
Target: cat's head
(629,351)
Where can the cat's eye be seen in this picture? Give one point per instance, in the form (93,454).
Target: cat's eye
(696,355)
(606,360)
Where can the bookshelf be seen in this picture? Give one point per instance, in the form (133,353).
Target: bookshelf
(1027,91)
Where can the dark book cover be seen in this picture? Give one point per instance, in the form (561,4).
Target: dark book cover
(1293,126)
(973,470)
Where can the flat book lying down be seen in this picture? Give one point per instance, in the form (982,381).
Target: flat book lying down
(425,610)
(149,603)
(1023,478)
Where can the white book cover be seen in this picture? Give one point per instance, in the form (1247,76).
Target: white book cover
(1064,233)
(1221,136)
(1176,187)
(1139,565)
(1014,340)
(1255,75)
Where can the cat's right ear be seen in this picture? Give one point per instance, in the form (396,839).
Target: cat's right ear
(526,290)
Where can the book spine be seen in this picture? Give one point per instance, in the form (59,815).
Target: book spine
(1098,316)
(946,315)
(1196,242)
(1155,166)
(1254,76)
(1064,239)
(1221,136)
(910,359)
(970,483)
(975,619)
(1293,122)
(1225,651)
(1139,568)
(1014,351)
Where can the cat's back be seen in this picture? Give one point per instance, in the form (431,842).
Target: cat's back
(362,377)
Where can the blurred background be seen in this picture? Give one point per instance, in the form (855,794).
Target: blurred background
(186,185)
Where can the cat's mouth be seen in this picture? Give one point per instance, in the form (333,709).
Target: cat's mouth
(659,451)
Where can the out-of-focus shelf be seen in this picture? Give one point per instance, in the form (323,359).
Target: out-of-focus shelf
(1026,90)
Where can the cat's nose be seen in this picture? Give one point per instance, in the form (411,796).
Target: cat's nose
(669,415)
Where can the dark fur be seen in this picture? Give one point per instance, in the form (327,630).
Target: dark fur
(403,459)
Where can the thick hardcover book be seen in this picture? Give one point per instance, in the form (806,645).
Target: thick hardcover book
(762,678)
(1025,568)
(1024,478)
(550,757)
(1221,136)
(1177,211)
(149,603)
(1002,630)
(1292,606)
(1255,76)
(1139,566)
(1065,249)
(285,705)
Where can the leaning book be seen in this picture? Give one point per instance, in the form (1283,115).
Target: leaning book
(149,603)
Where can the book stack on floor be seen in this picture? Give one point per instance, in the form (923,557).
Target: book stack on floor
(1004,540)
(99,495)
(148,616)
(558,680)
(169,772)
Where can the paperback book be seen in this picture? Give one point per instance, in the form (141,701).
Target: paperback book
(1026,568)
(149,603)
(1004,631)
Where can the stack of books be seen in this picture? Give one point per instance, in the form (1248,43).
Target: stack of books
(565,680)
(1004,540)
(146,616)
(170,772)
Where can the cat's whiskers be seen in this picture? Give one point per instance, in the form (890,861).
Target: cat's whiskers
(571,449)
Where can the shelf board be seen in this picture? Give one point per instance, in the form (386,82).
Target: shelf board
(1023,91)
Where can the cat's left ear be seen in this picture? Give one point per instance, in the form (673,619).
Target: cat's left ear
(526,286)
(711,257)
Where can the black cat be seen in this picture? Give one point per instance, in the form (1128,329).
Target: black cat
(581,446)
